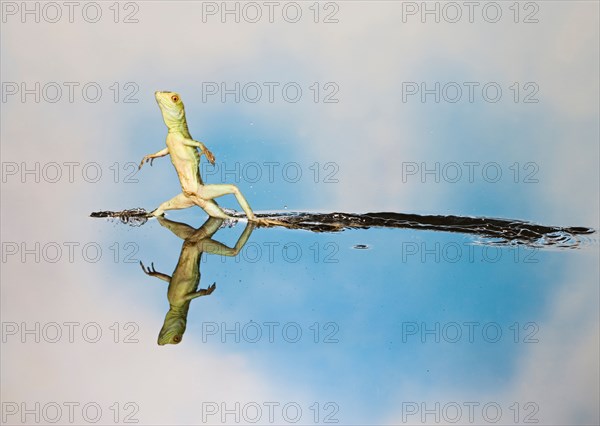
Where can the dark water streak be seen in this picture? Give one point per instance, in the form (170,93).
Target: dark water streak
(492,231)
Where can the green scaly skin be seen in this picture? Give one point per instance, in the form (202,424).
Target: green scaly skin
(186,159)
(183,284)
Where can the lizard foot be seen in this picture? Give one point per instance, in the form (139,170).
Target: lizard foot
(156,213)
(208,291)
(148,270)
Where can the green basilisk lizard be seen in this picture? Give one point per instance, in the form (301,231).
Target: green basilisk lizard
(186,159)
(183,284)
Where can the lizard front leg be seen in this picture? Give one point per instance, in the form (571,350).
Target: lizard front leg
(209,155)
(199,293)
(153,273)
(151,157)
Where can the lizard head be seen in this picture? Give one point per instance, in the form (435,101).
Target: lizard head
(173,327)
(171,107)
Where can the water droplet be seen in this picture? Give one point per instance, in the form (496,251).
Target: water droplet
(285,207)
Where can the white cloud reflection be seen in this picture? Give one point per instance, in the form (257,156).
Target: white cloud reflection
(368,54)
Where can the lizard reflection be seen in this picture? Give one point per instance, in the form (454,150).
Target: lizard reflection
(183,284)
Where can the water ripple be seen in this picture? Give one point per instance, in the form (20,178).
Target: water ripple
(489,231)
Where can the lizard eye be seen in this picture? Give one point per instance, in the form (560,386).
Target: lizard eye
(174,98)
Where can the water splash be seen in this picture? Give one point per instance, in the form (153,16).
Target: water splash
(132,217)
(488,231)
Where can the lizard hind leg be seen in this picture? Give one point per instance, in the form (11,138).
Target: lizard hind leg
(213,209)
(208,192)
(180,201)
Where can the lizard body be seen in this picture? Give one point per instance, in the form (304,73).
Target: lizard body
(185,157)
(183,283)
